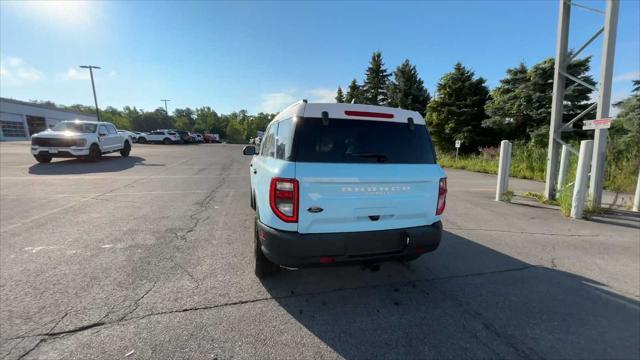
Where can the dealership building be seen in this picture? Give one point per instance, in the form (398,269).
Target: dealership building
(20,119)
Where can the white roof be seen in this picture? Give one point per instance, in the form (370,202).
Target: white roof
(350,111)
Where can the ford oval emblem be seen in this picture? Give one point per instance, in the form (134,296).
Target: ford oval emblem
(314,209)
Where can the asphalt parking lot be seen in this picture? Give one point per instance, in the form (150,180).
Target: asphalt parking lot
(150,257)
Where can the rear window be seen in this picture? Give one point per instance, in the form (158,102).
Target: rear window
(362,141)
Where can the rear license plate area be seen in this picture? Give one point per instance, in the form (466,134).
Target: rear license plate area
(376,243)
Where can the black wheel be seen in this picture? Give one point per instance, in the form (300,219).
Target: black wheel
(43,158)
(94,153)
(264,267)
(166,141)
(126,150)
(142,140)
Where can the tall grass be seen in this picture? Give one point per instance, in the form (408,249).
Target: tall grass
(528,162)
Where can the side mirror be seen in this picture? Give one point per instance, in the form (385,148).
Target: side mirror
(102,134)
(249,150)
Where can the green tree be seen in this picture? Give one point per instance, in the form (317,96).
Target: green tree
(457,112)
(339,95)
(149,121)
(89,110)
(206,121)
(626,128)
(116,117)
(185,119)
(407,89)
(234,133)
(506,108)
(520,107)
(375,82)
(354,93)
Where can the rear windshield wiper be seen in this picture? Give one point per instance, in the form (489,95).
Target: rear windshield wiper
(378,157)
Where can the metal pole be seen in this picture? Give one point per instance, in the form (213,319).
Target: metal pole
(636,199)
(604,103)
(166,110)
(95,98)
(582,173)
(562,44)
(564,165)
(503,169)
(93,86)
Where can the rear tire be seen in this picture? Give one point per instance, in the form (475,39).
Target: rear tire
(126,150)
(166,141)
(43,159)
(94,153)
(264,267)
(142,140)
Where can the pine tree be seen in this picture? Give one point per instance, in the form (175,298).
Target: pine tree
(339,95)
(520,107)
(407,90)
(375,83)
(457,112)
(354,93)
(507,112)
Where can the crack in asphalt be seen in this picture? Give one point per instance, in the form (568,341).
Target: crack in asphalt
(523,351)
(123,319)
(189,274)
(137,303)
(13,347)
(203,206)
(32,348)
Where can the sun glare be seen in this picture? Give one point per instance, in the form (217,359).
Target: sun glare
(63,12)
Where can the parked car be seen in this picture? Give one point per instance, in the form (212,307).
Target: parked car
(160,136)
(344,183)
(132,135)
(79,139)
(185,136)
(212,138)
(198,138)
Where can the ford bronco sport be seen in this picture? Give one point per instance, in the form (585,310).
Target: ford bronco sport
(342,183)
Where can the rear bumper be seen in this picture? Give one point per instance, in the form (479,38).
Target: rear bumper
(292,249)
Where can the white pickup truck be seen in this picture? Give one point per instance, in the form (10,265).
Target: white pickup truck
(79,139)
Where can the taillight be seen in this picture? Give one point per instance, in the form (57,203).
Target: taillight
(283,198)
(442,196)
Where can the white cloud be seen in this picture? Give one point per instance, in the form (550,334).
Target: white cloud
(323,95)
(275,102)
(14,71)
(629,76)
(76,74)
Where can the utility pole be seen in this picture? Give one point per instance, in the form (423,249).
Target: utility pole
(557,103)
(165,105)
(93,85)
(604,99)
(604,103)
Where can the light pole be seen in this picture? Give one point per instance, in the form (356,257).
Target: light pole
(165,105)
(95,98)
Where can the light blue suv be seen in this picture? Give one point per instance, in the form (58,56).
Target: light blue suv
(342,183)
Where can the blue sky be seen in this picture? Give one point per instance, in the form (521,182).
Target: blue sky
(261,56)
